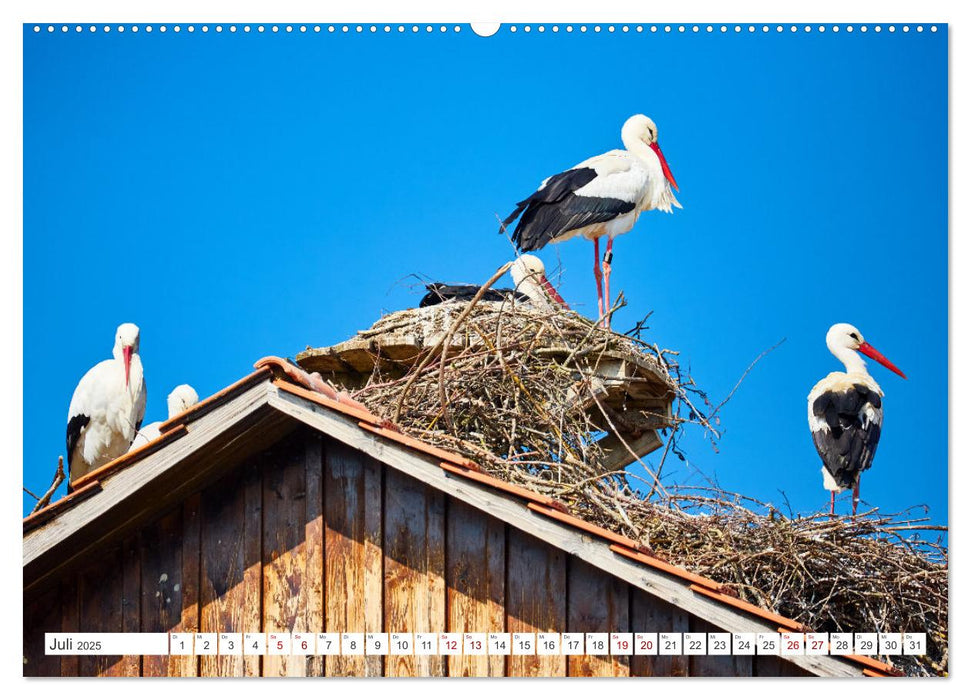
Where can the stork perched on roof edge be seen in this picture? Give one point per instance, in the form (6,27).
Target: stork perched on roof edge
(107,407)
(602,196)
(846,413)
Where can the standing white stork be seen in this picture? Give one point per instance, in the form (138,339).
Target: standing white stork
(107,407)
(602,196)
(529,275)
(181,399)
(846,412)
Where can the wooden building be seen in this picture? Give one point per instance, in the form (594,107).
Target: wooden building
(272,506)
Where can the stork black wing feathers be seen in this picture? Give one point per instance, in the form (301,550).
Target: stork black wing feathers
(556,209)
(439,292)
(74,427)
(847,448)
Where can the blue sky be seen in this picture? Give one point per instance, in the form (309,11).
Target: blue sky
(239,195)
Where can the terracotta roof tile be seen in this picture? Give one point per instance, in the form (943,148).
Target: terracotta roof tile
(51,510)
(312,381)
(217,399)
(661,565)
(348,407)
(128,458)
(580,524)
(875,674)
(784,622)
(501,485)
(873,664)
(421,446)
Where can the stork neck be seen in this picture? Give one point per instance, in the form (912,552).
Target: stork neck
(646,155)
(851,360)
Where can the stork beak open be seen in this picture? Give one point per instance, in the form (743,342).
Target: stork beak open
(126,352)
(871,352)
(551,290)
(664,166)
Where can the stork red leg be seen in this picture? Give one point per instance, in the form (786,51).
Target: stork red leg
(608,258)
(832,503)
(597,276)
(856,495)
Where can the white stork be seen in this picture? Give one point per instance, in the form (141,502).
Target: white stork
(107,407)
(602,196)
(181,399)
(529,275)
(846,412)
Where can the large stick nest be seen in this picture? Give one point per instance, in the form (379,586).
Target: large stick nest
(506,395)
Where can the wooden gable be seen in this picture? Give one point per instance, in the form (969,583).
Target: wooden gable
(313,524)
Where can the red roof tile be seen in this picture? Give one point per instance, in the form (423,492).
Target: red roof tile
(785,622)
(348,407)
(590,528)
(51,510)
(501,485)
(120,463)
(667,568)
(217,399)
(421,446)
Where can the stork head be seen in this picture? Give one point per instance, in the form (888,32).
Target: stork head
(181,399)
(643,129)
(126,344)
(843,336)
(529,273)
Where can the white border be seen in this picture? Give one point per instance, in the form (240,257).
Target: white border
(602,11)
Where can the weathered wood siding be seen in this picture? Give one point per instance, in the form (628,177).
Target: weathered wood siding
(312,536)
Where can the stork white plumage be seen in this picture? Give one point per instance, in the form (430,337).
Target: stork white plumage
(182,398)
(602,196)
(107,407)
(529,275)
(846,413)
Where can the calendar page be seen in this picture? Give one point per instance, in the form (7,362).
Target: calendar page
(517,349)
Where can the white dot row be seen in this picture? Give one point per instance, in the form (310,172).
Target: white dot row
(345,29)
(232,28)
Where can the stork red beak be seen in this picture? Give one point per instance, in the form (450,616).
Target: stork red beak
(126,352)
(664,165)
(551,290)
(871,352)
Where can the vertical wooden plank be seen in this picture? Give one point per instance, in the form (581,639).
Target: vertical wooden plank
(414,565)
(42,614)
(70,620)
(221,592)
(251,615)
(715,665)
(475,576)
(191,520)
(131,621)
(597,602)
(284,520)
(314,538)
(100,592)
(293,567)
(161,586)
(651,614)
(535,599)
(352,544)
